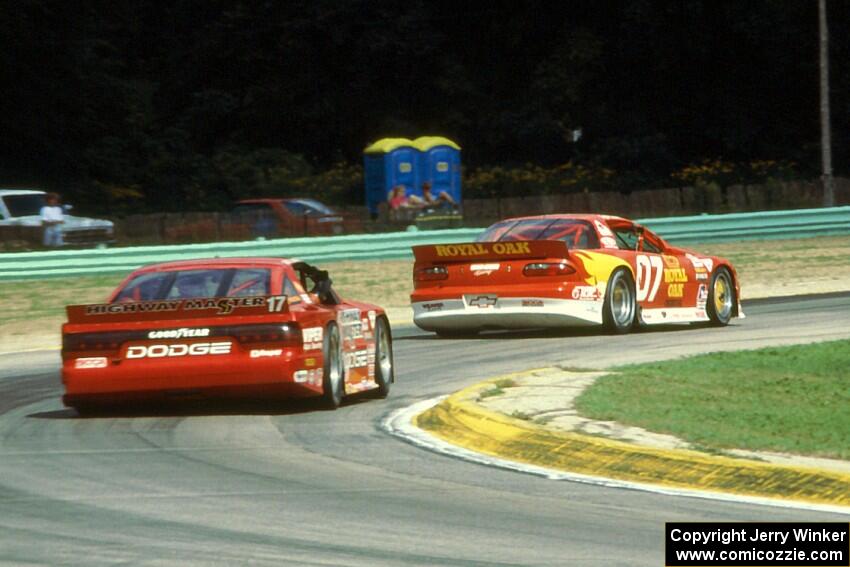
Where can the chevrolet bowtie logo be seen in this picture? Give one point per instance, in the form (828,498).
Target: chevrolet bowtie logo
(483,301)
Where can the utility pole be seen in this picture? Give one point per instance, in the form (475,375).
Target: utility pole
(825,139)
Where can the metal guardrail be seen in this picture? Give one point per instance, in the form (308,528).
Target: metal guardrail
(64,263)
(767,225)
(703,228)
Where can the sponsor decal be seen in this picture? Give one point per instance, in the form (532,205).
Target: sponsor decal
(372,316)
(349,317)
(479,249)
(168,351)
(364,323)
(356,359)
(676,290)
(262,353)
(224,305)
(670,261)
(675,275)
(609,242)
(92,362)
(532,303)
(352,331)
(483,269)
(702,296)
(312,338)
(701,274)
(585,292)
(309,362)
(312,377)
(603,229)
(142,307)
(482,301)
(706,264)
(673,303)
(182,333)
(432,306)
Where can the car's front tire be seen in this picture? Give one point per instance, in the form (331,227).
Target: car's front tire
(721,298)
(333,373)
(618,313)
(384,368)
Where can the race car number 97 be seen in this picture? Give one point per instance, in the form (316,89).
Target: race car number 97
(649,269)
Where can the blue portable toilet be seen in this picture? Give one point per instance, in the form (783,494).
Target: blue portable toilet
(399,161)
(439,163)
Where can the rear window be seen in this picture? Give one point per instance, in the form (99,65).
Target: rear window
(576,233)
(189,284)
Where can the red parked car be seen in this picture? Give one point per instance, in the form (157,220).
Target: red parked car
(287,217)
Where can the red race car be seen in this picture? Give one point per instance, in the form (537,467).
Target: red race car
(568,270)
(256,328)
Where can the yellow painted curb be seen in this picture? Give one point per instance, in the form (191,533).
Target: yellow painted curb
(461,421)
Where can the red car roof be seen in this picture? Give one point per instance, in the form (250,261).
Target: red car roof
(216,263)
(579,216)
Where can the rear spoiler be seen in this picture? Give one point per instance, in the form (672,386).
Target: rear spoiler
(476,251)
(168,309)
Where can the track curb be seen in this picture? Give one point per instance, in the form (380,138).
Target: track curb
(459,420)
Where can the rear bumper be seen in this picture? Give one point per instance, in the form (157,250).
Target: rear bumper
(482,311)
(288,374)
(242,392)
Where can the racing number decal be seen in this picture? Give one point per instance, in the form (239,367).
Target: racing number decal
(649,269)
(276,303)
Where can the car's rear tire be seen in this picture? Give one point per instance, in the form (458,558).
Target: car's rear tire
(333,372)
(384,367)
(618,313)
(721,297)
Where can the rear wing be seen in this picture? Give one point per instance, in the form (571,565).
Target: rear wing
(168,309)
(476,251)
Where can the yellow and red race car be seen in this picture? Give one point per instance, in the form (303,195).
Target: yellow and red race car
(568,270)
(258,328)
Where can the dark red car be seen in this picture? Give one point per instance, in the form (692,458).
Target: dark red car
(287,217)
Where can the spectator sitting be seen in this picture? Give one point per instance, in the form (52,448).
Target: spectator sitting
(441,200)
(399,202)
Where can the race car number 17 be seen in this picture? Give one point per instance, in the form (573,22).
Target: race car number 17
(276,303)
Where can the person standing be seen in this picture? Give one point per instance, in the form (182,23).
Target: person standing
(52,218)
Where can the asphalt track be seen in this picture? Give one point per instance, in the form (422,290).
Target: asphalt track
(296,485)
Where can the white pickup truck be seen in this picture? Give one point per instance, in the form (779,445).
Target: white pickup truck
(20,219)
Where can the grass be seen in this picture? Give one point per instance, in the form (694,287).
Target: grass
(790,399)
(495,391)
(36,307)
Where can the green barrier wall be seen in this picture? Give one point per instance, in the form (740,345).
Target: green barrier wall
(703,228)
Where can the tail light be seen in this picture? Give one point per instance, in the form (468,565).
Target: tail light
(548,269)
(96,341)
(430,274)
(284,334)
